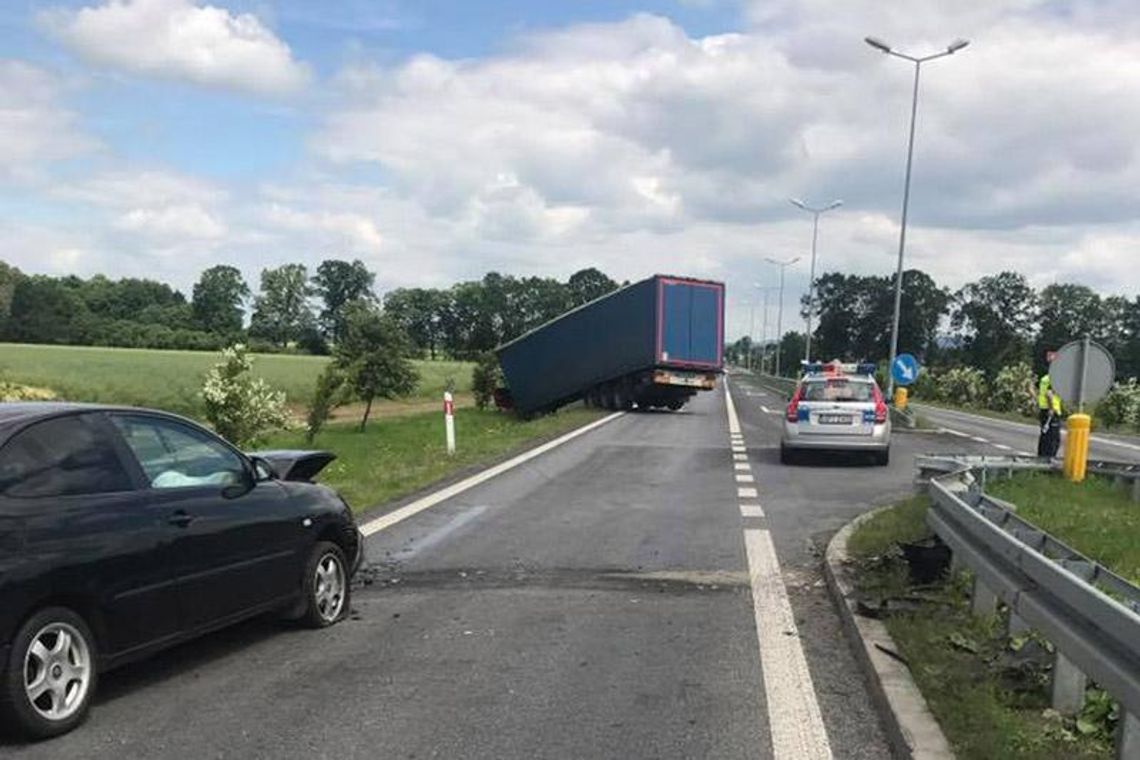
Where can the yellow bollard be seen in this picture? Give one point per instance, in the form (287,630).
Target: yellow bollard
(900,398)
(1077,447)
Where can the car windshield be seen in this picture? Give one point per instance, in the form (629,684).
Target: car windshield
(839,389)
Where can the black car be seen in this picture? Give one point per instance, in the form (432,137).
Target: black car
(124,531)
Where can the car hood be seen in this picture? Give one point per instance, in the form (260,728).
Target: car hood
(295,464)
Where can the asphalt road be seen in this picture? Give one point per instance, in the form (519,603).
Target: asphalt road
(596,602)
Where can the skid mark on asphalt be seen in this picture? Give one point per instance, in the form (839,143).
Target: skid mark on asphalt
(794,718)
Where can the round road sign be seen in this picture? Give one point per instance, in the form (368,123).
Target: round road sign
(1082,372)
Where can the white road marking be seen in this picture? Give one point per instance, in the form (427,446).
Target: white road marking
(1003,447)
(403,513)
(958,433)
(978,439)
(742,466)
(738,449)
(794,719)
(765,409)
(745,478)
(740,457)
(733,420)
(1026,427)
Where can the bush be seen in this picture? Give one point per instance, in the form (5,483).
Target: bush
(925,387)
(485,378)
(329,394)
(241,407)
(18,392)
(962,385)
(1122,405)
(1014,390)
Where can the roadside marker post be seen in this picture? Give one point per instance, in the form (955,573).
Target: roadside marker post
(449,421)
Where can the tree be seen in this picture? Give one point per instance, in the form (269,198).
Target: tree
(419,312)
(340,283)
(995,318)
(217,300)
(239,406)
(9,276)
(281,311)
(792,347)
(486,377)
(1066,312)
(587,284)
(47,310)
(373,354)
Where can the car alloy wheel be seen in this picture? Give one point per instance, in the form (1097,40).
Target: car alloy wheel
(57,671)
(329,585)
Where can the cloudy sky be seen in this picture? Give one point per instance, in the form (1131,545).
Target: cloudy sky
(439,139)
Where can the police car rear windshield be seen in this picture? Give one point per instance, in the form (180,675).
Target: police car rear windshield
(837,389)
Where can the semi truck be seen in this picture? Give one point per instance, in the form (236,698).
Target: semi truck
(653,344)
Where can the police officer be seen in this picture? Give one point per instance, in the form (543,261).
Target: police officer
(1049,416)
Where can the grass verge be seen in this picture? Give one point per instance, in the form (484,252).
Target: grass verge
(1094,517)
(988,692)
(172,380)
(399,455)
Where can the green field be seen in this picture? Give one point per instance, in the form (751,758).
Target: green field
(171,379)
(398,455)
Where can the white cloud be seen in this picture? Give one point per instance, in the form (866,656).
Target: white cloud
(35,127)
(356,231)
(179,39)
(172,222)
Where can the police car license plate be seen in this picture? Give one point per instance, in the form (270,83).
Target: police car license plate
(835,419)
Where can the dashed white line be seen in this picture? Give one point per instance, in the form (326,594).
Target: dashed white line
(1003,447)
(958,433)
(746,493)
(751,510)
(978,439)
(738,449)
(742,466)
(403,513)
(741,478)
(765,409)
(740,457)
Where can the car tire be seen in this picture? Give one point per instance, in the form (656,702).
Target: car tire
(786,455)
(326,586)
(56,651)
(883,458)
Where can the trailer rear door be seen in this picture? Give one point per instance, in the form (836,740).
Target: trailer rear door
(691,323)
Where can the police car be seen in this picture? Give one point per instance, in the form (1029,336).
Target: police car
(837,407)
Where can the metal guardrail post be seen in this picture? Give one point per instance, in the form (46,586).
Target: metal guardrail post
(983,602)
(1128,736)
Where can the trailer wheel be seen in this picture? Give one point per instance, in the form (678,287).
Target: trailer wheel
(675,405)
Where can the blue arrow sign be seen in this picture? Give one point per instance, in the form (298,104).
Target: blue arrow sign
(905,369)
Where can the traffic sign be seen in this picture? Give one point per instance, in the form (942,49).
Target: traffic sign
(904,370)
(1082,372)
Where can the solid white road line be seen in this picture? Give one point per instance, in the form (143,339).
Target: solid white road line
(408,510)
(794,719)
(733,420)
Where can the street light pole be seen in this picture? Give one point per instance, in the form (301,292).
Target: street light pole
(883,47)
(815,212)
(751,329)
(780,306)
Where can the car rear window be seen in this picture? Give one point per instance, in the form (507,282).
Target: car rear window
(838,389)
(65,456)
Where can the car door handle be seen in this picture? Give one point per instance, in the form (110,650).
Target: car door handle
(181,519)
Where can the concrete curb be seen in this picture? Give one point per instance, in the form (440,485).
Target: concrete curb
(911,728)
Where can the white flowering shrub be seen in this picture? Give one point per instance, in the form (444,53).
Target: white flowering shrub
(1014,390)
(962,385)
(239,406)
(1122,405)
(19,392)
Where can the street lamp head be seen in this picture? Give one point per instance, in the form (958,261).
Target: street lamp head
(798,203)
(877,44)
(834,204)
(957,45)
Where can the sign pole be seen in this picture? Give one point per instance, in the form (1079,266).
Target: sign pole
(449,421)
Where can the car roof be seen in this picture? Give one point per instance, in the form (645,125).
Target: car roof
(851,378)
(17,414)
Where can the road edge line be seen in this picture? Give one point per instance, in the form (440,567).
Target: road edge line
(385,521)
(911,728)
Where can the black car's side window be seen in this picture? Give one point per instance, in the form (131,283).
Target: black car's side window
(65,456)
(177,456)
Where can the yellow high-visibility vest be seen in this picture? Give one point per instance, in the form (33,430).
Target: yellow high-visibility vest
(1043,396)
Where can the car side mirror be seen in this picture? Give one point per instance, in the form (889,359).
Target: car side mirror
(246,483)
(262,471)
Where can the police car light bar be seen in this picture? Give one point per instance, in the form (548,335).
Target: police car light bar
(837,368)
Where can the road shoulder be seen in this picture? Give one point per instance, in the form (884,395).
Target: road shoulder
(910,726)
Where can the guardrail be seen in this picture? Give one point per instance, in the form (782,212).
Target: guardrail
(1090,614)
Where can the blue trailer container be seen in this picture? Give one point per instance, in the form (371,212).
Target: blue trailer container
(654,343)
